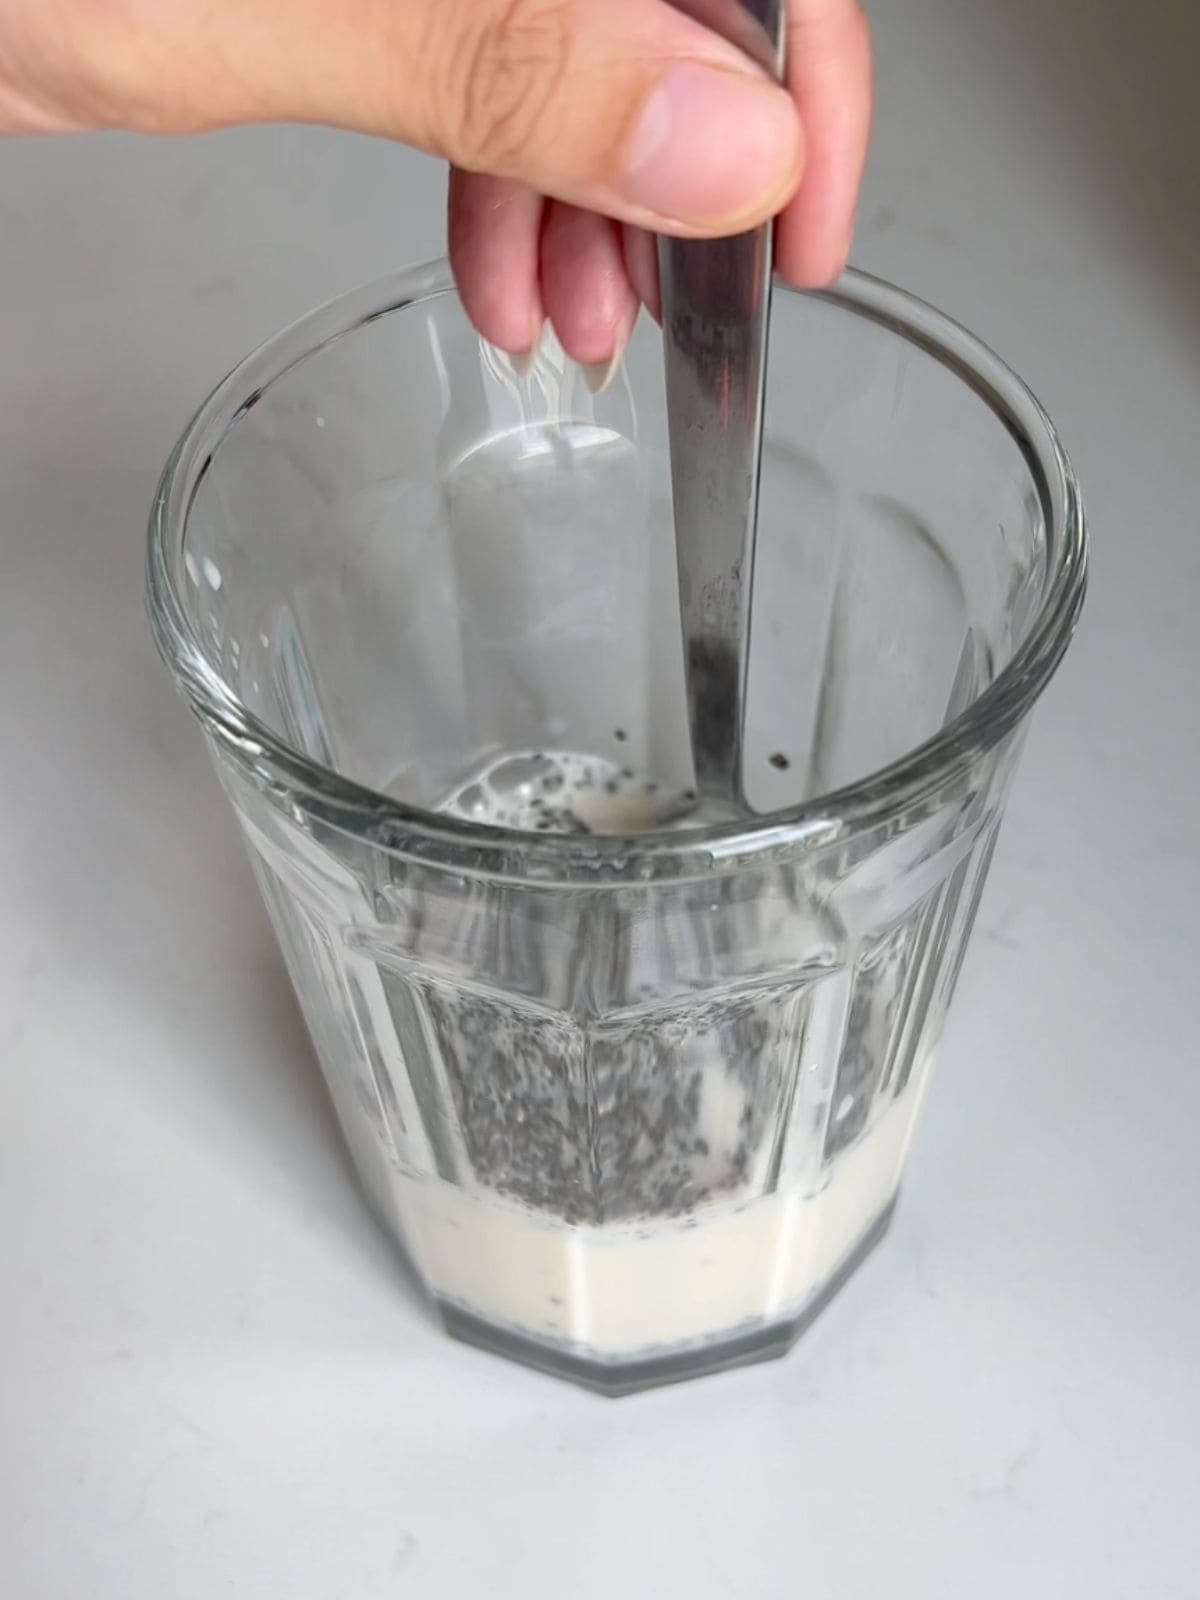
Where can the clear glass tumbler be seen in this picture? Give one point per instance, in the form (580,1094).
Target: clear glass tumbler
(633,1086)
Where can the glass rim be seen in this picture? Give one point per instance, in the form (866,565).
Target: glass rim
(462,846)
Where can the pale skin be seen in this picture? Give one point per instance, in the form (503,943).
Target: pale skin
(575,128)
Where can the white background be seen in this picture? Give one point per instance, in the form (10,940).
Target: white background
(214,1381)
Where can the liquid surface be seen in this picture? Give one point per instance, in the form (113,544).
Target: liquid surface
(555,791)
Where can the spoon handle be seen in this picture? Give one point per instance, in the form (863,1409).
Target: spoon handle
(716,305)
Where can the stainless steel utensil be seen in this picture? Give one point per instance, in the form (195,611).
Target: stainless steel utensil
(716,308)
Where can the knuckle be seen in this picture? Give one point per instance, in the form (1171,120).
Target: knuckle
(506,80)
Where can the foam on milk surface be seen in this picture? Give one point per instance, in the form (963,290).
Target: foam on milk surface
(567,792)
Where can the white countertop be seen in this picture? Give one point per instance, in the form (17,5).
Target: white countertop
(214,1381)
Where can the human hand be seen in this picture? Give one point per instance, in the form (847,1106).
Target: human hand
(577,128)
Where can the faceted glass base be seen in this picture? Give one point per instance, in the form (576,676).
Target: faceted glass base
(616,1378)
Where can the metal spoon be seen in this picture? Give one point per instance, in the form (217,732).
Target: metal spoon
(716,308)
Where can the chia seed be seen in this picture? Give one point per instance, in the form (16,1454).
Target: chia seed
(600,1123)
(554,1099)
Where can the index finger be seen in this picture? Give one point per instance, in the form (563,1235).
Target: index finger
(829,75)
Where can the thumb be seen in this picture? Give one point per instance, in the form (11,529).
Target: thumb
(622,106)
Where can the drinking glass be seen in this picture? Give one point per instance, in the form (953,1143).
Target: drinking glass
(632,1083)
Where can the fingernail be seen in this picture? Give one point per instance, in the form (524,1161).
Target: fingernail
(524,363)
(713,147)
(598,375)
